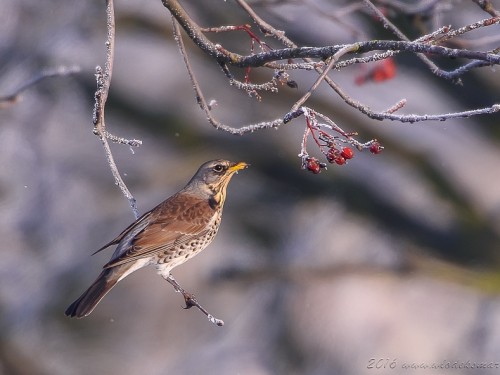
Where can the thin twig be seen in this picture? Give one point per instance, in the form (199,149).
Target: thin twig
(60,71)
(201,99)
(264,26)
(465,29)
(250,88)
(396,107)
(433,67)
(334,59)
(487,7)
(101,95)
(441,117)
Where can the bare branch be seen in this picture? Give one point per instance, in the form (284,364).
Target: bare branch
(487,7)
(250,88)
(60,71)
(388,24)
(202,101)
(101,95)
(441,117)
(260,59)
(194,31)
(325,59)
(334,59)
(266,28)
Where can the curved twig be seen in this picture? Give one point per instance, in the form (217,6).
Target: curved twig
(101,95)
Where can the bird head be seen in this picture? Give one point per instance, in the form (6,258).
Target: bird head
(213,177)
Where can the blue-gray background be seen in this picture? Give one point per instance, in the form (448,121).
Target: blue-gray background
(394,256)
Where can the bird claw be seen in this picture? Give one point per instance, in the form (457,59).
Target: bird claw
(190,300)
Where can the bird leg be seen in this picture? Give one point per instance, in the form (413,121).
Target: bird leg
(191,301)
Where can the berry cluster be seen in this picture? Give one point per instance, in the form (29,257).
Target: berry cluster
(338,149)
(337,154)
(340,157)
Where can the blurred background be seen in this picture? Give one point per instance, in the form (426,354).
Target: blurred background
(389,261)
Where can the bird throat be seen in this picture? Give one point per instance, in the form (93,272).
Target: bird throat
(216,200)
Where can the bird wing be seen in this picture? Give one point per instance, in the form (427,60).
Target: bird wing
(136,226)
(182,220)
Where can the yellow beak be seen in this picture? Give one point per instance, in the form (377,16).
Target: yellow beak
(238,166)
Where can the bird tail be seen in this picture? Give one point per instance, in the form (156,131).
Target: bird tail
(87,302)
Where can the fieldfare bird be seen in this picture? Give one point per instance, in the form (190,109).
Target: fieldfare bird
(167,236)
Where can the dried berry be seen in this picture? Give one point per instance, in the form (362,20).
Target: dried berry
(376,148)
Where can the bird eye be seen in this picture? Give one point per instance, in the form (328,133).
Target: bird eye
(218,168)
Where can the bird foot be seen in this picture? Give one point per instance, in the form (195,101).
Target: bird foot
(191,301)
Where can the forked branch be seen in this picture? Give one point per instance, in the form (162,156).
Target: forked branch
(324,60)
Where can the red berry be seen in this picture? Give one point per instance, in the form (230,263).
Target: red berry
(347,153)
(376,148)
(385,70)
(332,154)
(313,165)
(340,160)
